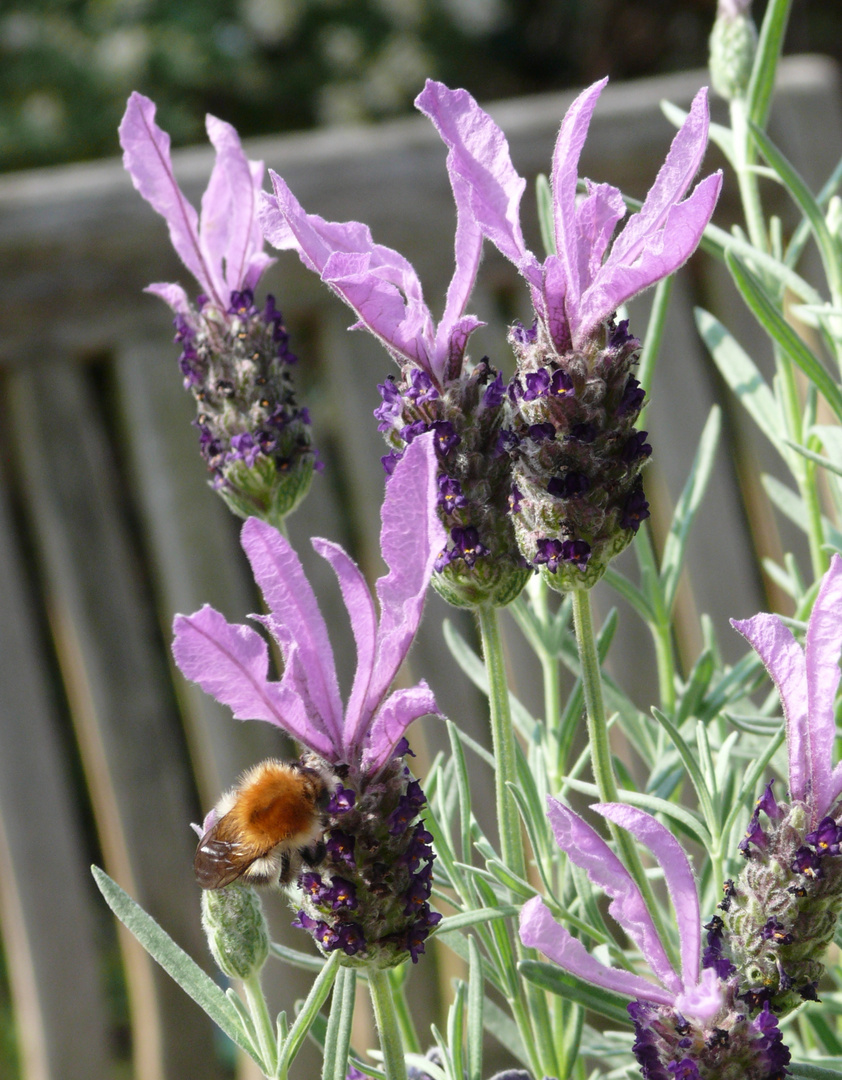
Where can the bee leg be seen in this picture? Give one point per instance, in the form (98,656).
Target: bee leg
(314,854)
(285,871)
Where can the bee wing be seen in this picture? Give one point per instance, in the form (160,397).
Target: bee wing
(222,856)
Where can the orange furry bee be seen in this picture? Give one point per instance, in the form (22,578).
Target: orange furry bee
(266,826)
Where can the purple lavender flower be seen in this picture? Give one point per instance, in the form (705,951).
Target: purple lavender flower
(439,388)
(794,868)
(688,1023)
(371,827)
(235,357)
(574,370)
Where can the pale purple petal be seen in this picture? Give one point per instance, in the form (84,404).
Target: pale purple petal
(480,155)
(596,218)
(703,1000)
(146,156)
(295,620)
(539,930)
(821,653)
(678,875)
(358,601)
(565,177)
(377,282)
(590,852)
(256,267)
(400,709)
(453,330)
(410,539)
(674,178)
(230,228)
(663,251)
(171,294)
(783,658)
(231,663)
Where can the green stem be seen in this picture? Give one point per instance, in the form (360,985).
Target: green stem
(744,159)
(601,760)
(385,1016)
(503,741)
(262,1023)
(405,1021)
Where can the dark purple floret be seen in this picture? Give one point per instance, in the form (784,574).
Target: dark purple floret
(515,497)
(577,552)
(772,1050)
(311,884)
(537,384)
(809,991)
(542,432)
(402,748)
(342,800)
(421,386)
(304,921)
(446,437)
(412,431)
(390,460)
(494,393)
(827,838)
(768,804)
(388,414)
(244,447)
(775,931)
(633,397)
(636,510)
(506,442)
(340,847)
(341,894)
(636,447)
(620,335)
(807,862)
(684,1070)
(467,544)
(350,938)
(443,559)
(754,835)
(418,892)
(568,486)
(415,795)
(450,497)
(561,385)
(523,335)
(549,554)
(401,816)
(242,304)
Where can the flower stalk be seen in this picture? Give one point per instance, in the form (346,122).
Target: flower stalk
(388,1029)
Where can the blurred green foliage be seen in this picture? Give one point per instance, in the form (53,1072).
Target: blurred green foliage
(67,66)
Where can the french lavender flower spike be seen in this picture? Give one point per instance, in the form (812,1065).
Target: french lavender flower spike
(780,914)
(577,496)
(235,355)
(369,896)
(439,390)
(691,1026)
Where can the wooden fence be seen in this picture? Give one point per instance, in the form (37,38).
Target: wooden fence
(107,528)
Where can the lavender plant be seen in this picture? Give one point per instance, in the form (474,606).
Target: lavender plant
(506,493)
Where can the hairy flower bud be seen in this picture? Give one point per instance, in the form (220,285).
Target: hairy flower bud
(576,456)
(733,44)
(236,929)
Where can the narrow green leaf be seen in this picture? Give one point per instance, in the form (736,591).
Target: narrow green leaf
(175,961)
(792,506)
(800,192)
(458,943)
(476,998)
(802,233)
(456,1032)
(463,788)
(568,986)
(296,958)
(717,242)
(630,593)
(753,774)
(762,83)
(308,1014)
(742,375)
(695,688)
(472,918)
(499,1024)
(819,459)
(338,1034)
(688,506)
(692,767)
(766,312)
(800,1071)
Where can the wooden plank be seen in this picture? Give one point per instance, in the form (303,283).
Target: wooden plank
(121,706)
(46,894)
